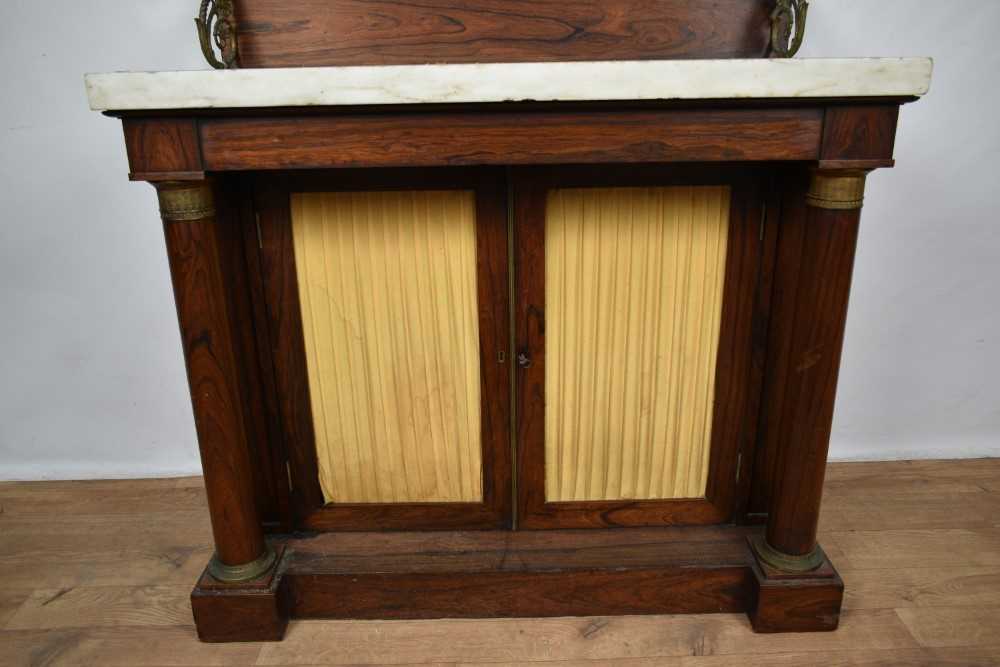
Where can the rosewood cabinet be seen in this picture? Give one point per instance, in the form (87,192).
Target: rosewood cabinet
(531,337)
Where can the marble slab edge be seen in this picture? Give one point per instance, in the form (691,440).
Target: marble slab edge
(510,82)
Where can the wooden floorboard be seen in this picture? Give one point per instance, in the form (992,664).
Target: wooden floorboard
(98,573)
(953,626)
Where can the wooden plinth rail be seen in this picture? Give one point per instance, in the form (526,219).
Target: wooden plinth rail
(475,574)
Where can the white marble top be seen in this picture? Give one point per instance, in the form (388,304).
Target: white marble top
(504,82)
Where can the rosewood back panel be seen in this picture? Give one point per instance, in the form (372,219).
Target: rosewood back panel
(315,33)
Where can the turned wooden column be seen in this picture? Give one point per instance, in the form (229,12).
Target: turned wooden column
(822,238)
(208,337)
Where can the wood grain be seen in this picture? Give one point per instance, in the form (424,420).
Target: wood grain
(913,480)
(731,429)
(252,611)
(795,602)
(91,562)
(954,605)
(282,296)
(596,639)
(519,551)
(157,529)
(499,573)
(380,32)
(197,256)
(930,587)
(68,499)
(545,137)
(815,264)
(163,148)
(507,594)
(954,657)
(791,186)
(270,477)
(954,626)
(917,494)
(859,134)
(103,606)
(283,325)
(125,646)
(878,549)
(10,601)
(957,510)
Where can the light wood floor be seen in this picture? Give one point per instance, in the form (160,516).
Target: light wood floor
(98,573)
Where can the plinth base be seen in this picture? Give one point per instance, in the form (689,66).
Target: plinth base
(256,610)
(481,574)
(783,601)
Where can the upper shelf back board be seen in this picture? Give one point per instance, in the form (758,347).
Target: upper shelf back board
(316,33)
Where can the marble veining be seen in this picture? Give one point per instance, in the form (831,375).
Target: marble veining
(503,82)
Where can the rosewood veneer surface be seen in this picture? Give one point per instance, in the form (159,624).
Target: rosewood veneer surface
(529,573)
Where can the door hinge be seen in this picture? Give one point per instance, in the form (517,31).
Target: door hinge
(260,242)
(739,465)
(763,220)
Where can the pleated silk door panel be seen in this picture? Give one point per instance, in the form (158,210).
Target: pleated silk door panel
(387,286)
(633,290)
(391,349)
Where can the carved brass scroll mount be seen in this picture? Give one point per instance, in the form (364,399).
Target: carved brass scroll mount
(788,27)
(216,23)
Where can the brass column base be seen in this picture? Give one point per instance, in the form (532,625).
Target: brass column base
(234,574)
(786,562)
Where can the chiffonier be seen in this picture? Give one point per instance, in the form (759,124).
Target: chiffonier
(511,308)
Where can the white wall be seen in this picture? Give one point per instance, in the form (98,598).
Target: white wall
(921,365)
(91,378)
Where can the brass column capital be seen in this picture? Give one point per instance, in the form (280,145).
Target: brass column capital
(840,189)
(185,200)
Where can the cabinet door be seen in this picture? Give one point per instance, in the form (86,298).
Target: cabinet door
(387,299)
(634,305)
